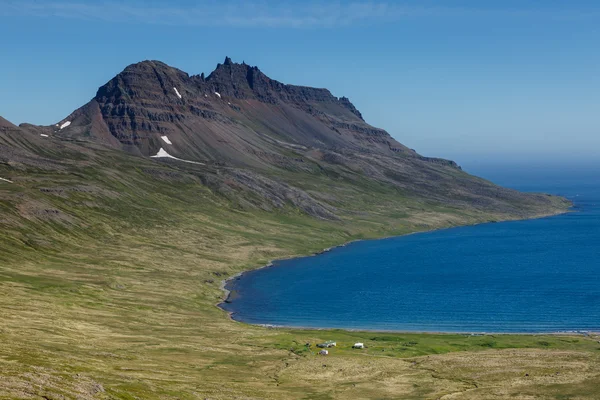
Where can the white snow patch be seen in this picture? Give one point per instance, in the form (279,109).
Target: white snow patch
(5,180)
(228,103)
(205,95)
(43,135)
(177,93)
(163,154)
(166,139)
(218,94)
(65,124)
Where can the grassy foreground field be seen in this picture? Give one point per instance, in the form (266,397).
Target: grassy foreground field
(109,279)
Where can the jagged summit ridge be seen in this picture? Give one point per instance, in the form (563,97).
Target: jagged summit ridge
(235,115)
(236,80)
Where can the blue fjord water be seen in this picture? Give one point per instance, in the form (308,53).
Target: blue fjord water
(527,276)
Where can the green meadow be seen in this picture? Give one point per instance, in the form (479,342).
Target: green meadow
(111,269)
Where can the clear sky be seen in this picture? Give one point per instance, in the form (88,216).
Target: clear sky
(468,80)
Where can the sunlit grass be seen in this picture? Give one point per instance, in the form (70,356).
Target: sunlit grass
(114,294)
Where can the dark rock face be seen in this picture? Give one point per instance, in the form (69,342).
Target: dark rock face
(140,103)
(344,101)
(232,116)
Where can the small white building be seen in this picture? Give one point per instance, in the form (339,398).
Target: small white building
(358,346)
(323,352)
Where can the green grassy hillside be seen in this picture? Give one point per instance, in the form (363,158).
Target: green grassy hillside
(111,267)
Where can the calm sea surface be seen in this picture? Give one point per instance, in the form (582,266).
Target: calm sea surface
(528,276)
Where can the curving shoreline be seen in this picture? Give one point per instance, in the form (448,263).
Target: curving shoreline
(227,292)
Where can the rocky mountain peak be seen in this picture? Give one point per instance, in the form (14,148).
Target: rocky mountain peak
(244,81)
(234,115)
(139,79)
(241,81)
(157,81)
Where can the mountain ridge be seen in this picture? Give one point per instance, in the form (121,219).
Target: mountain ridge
(151,99)
(263,137)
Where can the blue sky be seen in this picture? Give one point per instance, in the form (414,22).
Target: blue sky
(468,80)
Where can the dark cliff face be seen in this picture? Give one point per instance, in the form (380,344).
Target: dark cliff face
(155,81)
(246,82)
(240,81)
(236,115)
(136,104)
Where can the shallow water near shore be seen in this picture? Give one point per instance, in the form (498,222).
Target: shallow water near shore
(525,276)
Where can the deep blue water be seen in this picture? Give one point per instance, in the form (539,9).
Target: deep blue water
(527,276)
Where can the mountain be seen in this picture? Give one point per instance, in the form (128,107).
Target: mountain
(112,259)
(236,116)
(253,129)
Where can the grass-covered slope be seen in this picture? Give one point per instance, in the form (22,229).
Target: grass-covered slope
(111,265)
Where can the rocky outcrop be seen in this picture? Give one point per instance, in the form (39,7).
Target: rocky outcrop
(344,101)
(440,161)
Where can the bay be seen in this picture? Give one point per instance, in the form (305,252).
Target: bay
(538,275)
